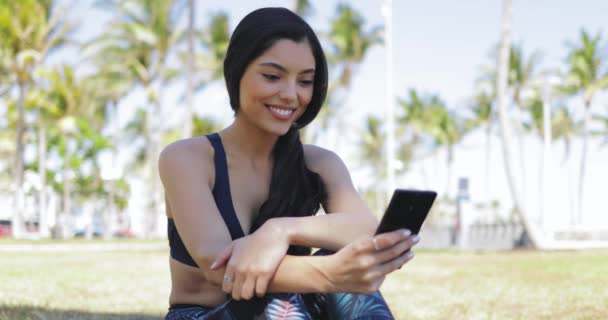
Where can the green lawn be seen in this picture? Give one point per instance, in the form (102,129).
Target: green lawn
(131,285)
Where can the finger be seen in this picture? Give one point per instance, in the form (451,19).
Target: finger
(389,239)
(394,264)
(248,288)
(391,253)
(237,286)
(261,285)
(222,257)
(228,280)
(398,249)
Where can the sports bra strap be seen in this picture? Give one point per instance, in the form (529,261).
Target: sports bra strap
(221,189)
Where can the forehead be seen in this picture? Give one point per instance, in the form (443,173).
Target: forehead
(292,55)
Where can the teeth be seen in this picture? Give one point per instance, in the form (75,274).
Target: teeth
(283,112)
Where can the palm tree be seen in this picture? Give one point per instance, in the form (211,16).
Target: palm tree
(413,114)
(74,106)
(349,43)
(30,30)
(58,88)
(585,76)
(215,39)
(522,72)
(483,116)
(140,40)
(371,145)
(560,126)
(430,119)
(565,128)
(502,78)
(413,123)
(208,66)
(447,129)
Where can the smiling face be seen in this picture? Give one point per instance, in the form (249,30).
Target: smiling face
(277,86)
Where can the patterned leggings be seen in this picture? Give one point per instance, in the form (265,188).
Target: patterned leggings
(290,306)
(342,306)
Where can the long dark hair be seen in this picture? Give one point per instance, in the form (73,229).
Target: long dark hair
(294,189)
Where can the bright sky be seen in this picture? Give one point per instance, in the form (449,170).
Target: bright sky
(439,47)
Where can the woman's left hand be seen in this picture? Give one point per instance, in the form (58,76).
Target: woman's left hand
(252,261)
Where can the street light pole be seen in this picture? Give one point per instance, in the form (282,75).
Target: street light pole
(387,11)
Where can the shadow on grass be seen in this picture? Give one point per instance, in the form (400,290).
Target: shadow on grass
(36,313)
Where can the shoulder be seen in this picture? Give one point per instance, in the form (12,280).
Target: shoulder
(323,161)
(192,154)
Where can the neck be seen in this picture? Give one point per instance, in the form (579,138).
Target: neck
(249,141)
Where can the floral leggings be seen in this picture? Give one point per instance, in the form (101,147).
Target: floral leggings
(289,306)
(342,306)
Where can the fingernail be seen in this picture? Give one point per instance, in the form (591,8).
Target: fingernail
(415,238)
(375,244)
(407,233)
(410,254)
(213,265)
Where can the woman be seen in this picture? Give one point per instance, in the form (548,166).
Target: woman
(241,203)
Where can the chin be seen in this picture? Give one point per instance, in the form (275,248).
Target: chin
(279,130)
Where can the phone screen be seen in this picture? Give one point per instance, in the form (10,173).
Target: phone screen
(407,209)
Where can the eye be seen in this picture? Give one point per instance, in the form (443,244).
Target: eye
(306,83)
(270,77)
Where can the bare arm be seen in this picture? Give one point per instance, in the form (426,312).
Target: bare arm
(359,267)
(346,210)
(185,168)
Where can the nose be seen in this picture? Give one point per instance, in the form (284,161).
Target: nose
(289,91)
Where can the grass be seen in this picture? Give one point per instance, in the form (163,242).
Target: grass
(128,285)
(501,285)
(121,241)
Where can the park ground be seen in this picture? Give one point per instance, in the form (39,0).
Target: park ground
(128,280)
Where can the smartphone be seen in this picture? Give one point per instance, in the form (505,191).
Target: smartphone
(407,209)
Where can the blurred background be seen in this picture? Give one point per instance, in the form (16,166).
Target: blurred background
(91,91)
(499,106)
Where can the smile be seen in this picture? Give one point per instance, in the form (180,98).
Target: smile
(281,112)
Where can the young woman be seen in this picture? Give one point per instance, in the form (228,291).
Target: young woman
(241,203)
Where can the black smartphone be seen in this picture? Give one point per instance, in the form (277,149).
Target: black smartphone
(407,209)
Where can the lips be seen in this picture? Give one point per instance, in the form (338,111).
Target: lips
(281,112)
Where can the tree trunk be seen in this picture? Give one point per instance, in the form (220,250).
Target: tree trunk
(583,163)
(149,173)
(449,161)
(67,186)
(572,190)
(153,138)
(187,125)
(546,156)
(43,224)
(487,164)
(519,133)
(17,218)
(505,125)
(109,213)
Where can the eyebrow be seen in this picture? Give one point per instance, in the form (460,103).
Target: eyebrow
(280,67)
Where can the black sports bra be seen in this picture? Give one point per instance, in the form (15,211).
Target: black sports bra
(223,200)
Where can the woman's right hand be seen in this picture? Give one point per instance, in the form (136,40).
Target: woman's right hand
(361,266)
